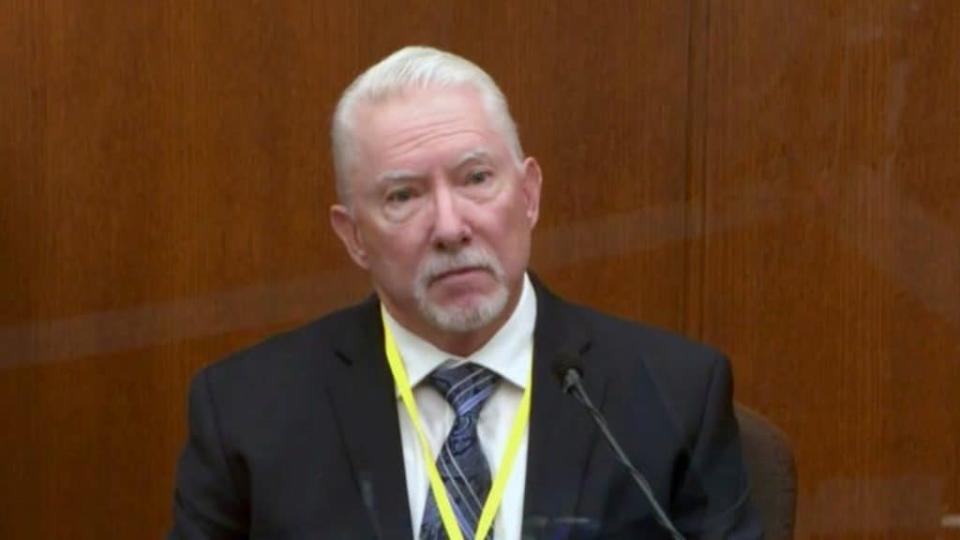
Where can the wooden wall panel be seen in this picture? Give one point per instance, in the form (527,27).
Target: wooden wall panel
(778,178)
(165,177)
(609,121)
(831,255)
(164,170)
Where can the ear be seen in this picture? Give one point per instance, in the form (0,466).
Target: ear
(346,228)
(532,178)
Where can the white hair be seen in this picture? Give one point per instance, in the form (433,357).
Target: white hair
(406,69)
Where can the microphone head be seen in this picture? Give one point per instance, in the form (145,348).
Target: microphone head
(568,368)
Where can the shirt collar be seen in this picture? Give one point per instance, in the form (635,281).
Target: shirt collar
(508,353)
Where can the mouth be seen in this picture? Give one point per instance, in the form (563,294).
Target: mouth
(457,272)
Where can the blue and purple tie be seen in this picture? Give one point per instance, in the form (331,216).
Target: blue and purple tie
(461,462)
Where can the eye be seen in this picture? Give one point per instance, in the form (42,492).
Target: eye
(478,177)
(401,195)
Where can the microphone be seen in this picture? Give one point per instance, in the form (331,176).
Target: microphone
(569,370)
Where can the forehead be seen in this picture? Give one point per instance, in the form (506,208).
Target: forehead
(421,127)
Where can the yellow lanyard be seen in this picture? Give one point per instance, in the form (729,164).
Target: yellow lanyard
(436,483)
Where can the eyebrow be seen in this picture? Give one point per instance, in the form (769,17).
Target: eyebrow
(403,175)
(393,177)
(478,154)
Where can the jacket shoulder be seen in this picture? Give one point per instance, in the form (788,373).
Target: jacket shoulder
(679,370)
(655,344)
(289,352)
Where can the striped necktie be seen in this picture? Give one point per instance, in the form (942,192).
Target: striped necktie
(461,463)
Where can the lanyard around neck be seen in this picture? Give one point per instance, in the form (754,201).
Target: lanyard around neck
(517,431)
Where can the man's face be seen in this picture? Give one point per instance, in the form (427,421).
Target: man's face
(441,213)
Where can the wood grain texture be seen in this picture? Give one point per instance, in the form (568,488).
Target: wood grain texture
(163,206)
(831,262)
(777,178)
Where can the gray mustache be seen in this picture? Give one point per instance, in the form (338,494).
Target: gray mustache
(440,264)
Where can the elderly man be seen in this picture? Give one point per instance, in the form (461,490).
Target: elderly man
(431,410)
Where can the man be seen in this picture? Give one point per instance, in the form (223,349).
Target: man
(431,409)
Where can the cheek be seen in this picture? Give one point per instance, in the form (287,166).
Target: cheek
(398,254)
(511,235)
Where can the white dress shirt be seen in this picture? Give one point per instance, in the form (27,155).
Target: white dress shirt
(509,354)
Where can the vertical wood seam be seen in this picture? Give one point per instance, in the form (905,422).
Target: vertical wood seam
(696,181)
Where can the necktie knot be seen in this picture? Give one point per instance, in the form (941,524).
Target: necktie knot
(466,387)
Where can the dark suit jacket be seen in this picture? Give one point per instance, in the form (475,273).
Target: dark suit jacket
(298,437)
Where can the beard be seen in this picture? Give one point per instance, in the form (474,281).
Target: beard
(459,318)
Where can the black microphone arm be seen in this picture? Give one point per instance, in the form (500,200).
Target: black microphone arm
(568,369)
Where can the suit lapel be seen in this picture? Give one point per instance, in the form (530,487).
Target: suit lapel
(561,433)
(362,392)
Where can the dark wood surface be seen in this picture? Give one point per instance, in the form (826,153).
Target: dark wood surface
(777,178)
(832,259)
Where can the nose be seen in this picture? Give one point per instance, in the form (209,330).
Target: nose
(451,232)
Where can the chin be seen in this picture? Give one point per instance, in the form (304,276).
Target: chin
(468,317)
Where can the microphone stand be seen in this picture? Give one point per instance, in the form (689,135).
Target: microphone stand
(573,386)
